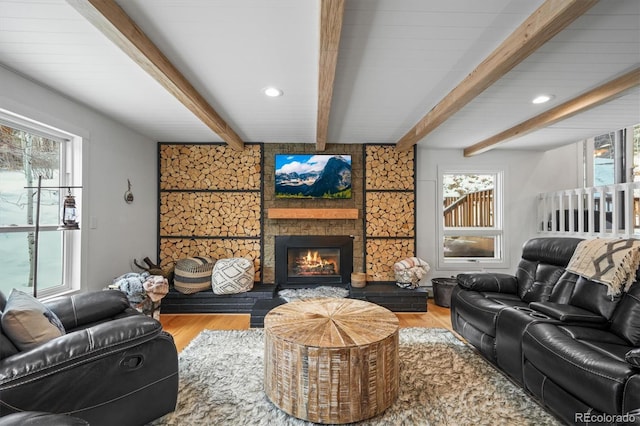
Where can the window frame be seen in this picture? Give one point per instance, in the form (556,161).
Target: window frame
(624,164)
(70,175)
(496,231)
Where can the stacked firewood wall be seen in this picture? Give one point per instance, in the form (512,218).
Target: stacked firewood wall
(390,209)
(211,205)
(210,202)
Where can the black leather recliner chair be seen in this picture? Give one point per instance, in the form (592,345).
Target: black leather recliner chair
(114,366)
(558,335)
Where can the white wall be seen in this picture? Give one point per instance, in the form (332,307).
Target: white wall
(111,154)
(527,173)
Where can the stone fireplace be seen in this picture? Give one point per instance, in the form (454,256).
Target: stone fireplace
(313,260)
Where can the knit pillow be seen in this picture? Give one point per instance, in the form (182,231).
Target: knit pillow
(231,276)
(193,274)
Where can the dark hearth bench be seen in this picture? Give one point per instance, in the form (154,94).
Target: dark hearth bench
(388,295)
(207,302)
(261,309)
(264,297)
(385,293)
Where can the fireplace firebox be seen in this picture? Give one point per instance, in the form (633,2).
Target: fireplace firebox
(313,260)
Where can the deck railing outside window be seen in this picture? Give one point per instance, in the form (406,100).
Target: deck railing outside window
(474,209)
(607,211)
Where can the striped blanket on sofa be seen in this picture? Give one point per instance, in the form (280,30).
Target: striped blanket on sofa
(612,262)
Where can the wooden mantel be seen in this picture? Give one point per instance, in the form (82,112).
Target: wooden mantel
(312,213)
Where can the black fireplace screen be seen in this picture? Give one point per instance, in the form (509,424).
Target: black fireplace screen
(313,259)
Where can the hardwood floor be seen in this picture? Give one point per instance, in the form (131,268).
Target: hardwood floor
(184,327)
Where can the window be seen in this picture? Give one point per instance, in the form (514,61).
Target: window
(604,159)
(634,133)
(471,226)
(635,137)
(612,157)
(29,150)
(609,159)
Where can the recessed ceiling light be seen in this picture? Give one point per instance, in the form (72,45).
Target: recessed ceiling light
(272,92)
(542,99)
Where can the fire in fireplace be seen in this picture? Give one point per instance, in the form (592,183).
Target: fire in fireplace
(308,261)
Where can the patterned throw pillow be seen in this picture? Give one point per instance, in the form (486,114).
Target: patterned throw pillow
(193,274)
(231,276)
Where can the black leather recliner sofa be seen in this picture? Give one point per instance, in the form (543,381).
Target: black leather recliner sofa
(114,366)
(558,335)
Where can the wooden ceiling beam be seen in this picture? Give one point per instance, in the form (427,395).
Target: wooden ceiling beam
(331,14)
(108,17)
(591,99)
(542,25)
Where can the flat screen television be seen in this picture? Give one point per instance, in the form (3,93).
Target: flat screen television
(313,176)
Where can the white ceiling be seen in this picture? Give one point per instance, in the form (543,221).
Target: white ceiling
(397,59)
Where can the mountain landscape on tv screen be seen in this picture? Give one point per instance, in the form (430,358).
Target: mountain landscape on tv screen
(317,176)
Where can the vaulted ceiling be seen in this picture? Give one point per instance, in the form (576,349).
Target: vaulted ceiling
(439,73)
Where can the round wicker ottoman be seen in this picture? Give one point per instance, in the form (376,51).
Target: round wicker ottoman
(331,360)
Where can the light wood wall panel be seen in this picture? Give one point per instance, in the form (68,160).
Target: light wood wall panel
(390,209)
(210,167)
(389,169)
(383,253)
(219,214)
(390,214)
(210,202)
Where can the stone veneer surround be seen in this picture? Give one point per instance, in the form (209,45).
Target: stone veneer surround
(273,227)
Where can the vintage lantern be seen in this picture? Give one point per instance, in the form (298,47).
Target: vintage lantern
(69,212)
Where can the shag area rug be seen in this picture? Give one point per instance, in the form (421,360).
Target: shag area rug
(291,294)
(442,382)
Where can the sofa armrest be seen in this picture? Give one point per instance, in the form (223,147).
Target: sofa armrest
(633,357)
(78,347)
(499,283)
(87,308)
(567,313)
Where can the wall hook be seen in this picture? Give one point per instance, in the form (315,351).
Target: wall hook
(128,195)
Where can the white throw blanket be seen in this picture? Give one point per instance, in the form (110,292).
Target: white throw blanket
(612,262)
(156,287)
(410,271)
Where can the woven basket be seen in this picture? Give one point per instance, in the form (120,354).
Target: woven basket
(358,279)
(193,274)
